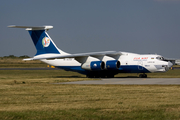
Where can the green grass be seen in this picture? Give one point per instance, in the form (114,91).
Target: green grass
(48,101)
(30,94)
(19,63)
(41,76)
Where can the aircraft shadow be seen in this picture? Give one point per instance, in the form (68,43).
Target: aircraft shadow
(68,77)
(85,77)
(128,77)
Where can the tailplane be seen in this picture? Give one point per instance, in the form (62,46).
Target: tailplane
(42,41)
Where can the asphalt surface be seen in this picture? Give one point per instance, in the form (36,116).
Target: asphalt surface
(130,81)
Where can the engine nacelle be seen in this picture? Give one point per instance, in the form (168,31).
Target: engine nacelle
(112,65)
(94,65)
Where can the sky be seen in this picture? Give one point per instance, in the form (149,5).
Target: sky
(80,26)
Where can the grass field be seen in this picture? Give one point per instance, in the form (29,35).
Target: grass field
(29,94)
(19,63)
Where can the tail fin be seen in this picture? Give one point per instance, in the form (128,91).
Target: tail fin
(42,41)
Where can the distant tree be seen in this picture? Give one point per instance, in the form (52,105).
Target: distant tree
(24,56)
(10,56)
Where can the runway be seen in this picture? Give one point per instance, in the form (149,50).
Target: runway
(129,81)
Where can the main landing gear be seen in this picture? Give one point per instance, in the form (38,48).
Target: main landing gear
(143,75)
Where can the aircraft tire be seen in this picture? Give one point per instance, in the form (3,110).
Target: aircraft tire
(110,76)
(90,76)
(143,76)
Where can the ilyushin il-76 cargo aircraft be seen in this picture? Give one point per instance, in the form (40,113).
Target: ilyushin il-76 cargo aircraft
(93,64)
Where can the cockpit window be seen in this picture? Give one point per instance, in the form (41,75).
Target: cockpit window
(160,58)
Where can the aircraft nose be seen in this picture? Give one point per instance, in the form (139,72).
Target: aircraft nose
(170,64)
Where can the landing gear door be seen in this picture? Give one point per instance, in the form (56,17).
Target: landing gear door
(140,65)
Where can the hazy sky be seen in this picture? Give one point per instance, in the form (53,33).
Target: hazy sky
(138,26)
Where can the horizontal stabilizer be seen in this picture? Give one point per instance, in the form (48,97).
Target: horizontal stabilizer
(32,28)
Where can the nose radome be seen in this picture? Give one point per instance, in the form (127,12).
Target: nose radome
(170,64)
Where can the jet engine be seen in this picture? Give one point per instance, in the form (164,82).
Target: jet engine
(94,65)
(112,65)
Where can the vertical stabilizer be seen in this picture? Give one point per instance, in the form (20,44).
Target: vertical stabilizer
(42,41)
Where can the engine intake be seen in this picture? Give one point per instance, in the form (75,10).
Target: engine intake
(112,65)
(94,65)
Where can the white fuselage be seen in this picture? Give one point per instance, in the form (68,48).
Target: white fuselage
(130,62)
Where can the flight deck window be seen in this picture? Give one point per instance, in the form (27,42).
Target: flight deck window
(160,58)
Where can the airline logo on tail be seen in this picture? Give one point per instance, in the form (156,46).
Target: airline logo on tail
(45,42)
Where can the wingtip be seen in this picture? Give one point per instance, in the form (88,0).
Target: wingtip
(11,26)
(27,59)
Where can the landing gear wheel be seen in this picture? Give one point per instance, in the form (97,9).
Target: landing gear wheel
(103,76)
(110,76)
(90,76)
(143,76)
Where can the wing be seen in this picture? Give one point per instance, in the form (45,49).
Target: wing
(113,54)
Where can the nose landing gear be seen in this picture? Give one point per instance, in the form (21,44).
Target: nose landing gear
(143,75)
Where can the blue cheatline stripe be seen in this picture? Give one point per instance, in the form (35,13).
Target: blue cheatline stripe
(122,69)
(37,37)
(133,69)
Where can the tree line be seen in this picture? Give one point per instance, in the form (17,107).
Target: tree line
(13,56)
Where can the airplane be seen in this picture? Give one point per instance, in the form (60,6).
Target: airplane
(104,64)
